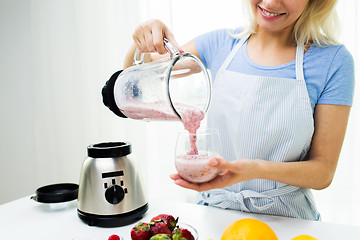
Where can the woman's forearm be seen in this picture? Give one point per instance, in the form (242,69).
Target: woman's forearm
(307,174)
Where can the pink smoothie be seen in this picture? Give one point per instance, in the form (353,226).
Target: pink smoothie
(155,111)
(195,168)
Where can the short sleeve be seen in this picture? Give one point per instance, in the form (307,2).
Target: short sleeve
(209,44)
(340,80)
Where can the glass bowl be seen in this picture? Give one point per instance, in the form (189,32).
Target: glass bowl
(191,229)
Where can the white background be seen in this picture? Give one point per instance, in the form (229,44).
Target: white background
(55,56)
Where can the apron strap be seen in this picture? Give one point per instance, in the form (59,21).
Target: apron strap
(299,64)
(223,198)
(233,52)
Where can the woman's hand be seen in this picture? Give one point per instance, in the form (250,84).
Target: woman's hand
(148,37)
(234,172)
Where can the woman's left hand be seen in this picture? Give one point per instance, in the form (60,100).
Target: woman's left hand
(234,172)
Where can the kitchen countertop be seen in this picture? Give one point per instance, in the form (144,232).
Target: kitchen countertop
(27,219)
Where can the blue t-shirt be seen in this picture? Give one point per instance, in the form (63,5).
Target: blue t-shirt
(328,71)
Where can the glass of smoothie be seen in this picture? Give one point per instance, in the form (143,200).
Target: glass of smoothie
(193,152)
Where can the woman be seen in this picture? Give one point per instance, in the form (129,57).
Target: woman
(283,90)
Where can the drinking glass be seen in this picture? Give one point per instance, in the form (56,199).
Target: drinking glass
(193,152)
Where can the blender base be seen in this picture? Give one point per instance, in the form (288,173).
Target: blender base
(116,220)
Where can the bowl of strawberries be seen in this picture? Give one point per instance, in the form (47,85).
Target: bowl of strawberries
(163,227)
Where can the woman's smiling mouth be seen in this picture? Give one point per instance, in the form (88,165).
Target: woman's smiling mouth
(269,14)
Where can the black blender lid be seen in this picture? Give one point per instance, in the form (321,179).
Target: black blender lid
(108,95)
(56,193)
(109,150)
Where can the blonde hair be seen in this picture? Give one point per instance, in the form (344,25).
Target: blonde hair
(318,24)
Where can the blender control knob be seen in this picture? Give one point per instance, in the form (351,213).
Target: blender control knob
(114,194)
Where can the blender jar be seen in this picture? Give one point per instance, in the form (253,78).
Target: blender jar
(159,90)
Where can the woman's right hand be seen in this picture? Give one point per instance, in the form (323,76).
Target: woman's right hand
(232,172)
(148,37)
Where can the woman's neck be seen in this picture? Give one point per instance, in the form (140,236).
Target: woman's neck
(283,39)
(271,48)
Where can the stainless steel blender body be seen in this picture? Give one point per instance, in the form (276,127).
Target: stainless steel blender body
(111,192)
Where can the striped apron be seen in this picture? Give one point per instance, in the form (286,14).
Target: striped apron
(265,118)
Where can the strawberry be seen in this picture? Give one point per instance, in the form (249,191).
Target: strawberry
(140,231)
(169,220)
(159,227)
(114,237)
(182,234)
(160,237)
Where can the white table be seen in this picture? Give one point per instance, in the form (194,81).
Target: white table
(27,219)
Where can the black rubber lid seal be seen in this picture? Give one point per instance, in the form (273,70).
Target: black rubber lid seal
(56,193)
(109,150)
(108,95)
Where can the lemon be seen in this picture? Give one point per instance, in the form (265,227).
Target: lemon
(248,229)
(304,237)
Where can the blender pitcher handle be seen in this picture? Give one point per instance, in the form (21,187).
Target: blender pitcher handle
(168,45)
(136,55)
(171,48)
